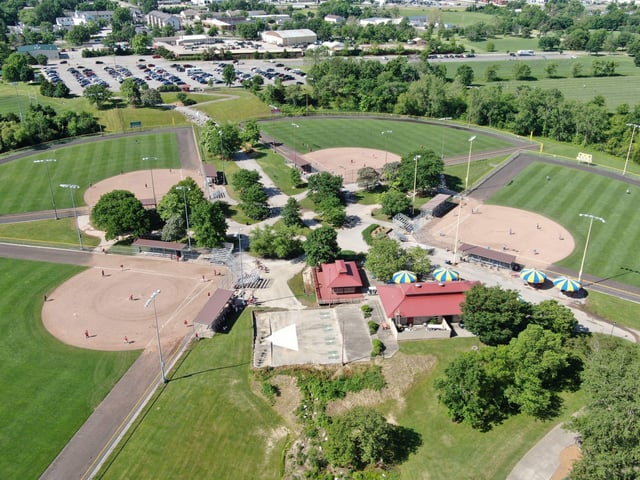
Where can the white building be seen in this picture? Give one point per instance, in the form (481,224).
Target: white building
(288,38)
(80,18)
(161,19)
(374,21)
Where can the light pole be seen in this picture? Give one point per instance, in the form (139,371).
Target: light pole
(443,119)
(46,162)
(224,179)
(586,244)
(71,188)
(153,187)
(152,299)
(184,189)
(295,152)
(239,235)
(415,179)
(386,145)
(626,162)
(466,179)
(466,186)
(472,98)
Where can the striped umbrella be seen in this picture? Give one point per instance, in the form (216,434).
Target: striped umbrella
(531,275)
(566,284)
(445,275)
(404,276)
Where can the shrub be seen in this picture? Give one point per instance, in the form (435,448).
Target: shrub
(366,233)
(373,327)
(366,310)
(269,390)
(378,348)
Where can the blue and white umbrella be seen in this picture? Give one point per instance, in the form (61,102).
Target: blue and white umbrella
(404,276)
(566,284)
(445,275)
(531,275)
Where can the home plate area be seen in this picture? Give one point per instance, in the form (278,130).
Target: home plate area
(311,336)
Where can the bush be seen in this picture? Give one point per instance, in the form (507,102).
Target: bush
(366,310)
(269,390)
(373,327)
(366,234)
(378,348)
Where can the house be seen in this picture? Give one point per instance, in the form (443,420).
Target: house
(48,50)
(420,303)
(82,17)
(374,21)
(338,282)
(334,19)
(162,19)
(288,38)
(224,23)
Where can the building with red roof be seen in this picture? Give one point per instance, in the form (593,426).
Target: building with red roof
(417,303)
(338,282)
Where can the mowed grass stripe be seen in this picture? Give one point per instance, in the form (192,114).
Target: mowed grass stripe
(24,185)
(207,422)
(570,192)
(47,389)
(406,137)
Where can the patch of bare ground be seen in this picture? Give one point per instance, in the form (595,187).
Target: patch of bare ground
(567,458)
(399,372)
(288,399)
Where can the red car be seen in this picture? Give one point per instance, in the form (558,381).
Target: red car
(157,56)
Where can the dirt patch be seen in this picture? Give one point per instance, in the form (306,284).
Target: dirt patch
(535,240)
(568,457)
(347,161)
(399,372)
(288,400)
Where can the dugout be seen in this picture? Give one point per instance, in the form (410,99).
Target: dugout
(486,256)
(213,314)
(159,248)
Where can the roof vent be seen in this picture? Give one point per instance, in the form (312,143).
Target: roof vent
(418,285)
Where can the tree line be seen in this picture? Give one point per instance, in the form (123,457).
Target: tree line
(423,90)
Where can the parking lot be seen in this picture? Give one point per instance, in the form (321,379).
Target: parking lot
(78,73)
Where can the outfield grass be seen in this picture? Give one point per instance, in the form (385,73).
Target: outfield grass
(502,43)
(24,185)
(241,105)
(47,389)
(478,169)
(207,422)
(59,233)
(118,120)
(323,133)
(456,451)
(570,192)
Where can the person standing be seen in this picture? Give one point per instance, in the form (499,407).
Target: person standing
(86,334)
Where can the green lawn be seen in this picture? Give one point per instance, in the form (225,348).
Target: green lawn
(207,422)
(478,169)
(24,185)
(60,233)
(241,105)
(323,133)
(571,192)
(117,120)
(47,389)
(614,309)
(456,451)
(275,168)
(503,44)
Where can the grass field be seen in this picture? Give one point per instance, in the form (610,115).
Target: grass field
(612,248)
(456,451)
(60,233)
(47,389)
(241,105)
(366,133)
(623,88)
(614,309)
(275,168)
(207,422)
(24,185)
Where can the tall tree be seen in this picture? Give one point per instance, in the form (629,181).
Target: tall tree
(208,224)
(422,167)
(385,257)
(120,213)
(291,213)
(493,314)
(16,68)
(610,426)
(321,246)
(97,94)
